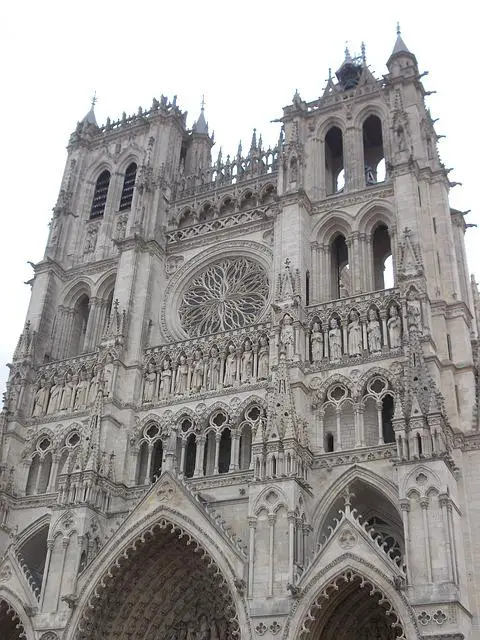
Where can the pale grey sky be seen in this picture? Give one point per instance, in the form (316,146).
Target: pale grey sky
(246,57)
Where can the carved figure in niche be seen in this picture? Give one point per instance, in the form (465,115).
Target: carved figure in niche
(414,312)
(230,367)
(91,240)
(246,370)
(68,391)
(287,336)
(181,386)
(108,376)
(40,400)
(213,369)
(15,390)
(374,332)
(81,392)
(394,326)
(335,340)
(354,335)
(55,230)
(316,340)
(401,138)
(263,359)
(55,396)
(165,380)
(198,371)
(93,389)
(149,383)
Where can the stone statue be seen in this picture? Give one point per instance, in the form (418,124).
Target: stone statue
(40,400)
(316,341)
(55,396)
(369,176)
(287,336)
(414,312)
(93,388)
(374,333)
(230,367)
(213,369)
(246,363)
(198,371)
(81,392)
(68,391)
(149,383)
(335,340)
(394,326)
(181,386)
(14,396)
(263,359)
(354,335)
(108,376)
(165,380)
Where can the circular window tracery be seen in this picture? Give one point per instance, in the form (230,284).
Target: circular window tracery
(229,294)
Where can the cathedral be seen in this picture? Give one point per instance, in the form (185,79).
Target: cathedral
(244,403)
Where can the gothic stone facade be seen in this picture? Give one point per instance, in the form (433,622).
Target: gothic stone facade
(222,420)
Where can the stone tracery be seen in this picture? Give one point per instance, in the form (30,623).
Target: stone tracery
(229,294)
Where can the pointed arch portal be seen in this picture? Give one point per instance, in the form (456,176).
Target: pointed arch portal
(11,627)
(163,586)
(351,607)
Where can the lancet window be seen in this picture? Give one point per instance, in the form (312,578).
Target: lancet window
(100,195)
(340,274)
(128,187)
(382,258)
(79,329)
(334,162)
(373,153)
(40,468)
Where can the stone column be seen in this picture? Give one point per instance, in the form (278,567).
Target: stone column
(252,525)
(198,473)
(45,571)
(444,500)
(379,421)
(405,507)
(271,553)
(424,504)
(291,545)
(217,452)
(148,473)
(339,434)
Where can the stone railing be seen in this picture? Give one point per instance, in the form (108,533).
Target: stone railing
(348,329)
(194,366)
(217,224)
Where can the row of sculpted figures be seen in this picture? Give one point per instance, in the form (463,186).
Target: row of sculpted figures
(72,391)
(355,336)
(198,371)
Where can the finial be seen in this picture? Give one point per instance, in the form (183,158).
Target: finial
(330,77)
(398,29)
(202,104)
(254,139)
(347,51)
(94,99)
(364,55)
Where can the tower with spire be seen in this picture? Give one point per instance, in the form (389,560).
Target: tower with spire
(244,402)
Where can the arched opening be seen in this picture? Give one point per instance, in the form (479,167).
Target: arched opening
(44,473)
(329,443)
(79,328)
(157,458)
(128,186)
(382,258)
(353,609)
(142,464)
(209,454)
(11,627)
(100,195)
(373,152)
(245,447)
(387,417)
(190,456)
(33,476)
(225,451)
(34,552)
(334,164)
(167,586)
(340,276)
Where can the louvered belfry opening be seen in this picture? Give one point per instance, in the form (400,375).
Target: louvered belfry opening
(100,195)
(128,186)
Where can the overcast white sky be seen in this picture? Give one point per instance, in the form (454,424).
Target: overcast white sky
(247,57)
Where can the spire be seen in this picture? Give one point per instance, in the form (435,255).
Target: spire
(400,49)
(201,125)
(253,145)
(90,117)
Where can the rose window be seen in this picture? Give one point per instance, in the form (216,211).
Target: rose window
(229,294)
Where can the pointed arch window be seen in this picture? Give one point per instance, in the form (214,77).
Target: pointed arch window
(128,186)
(100,195)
